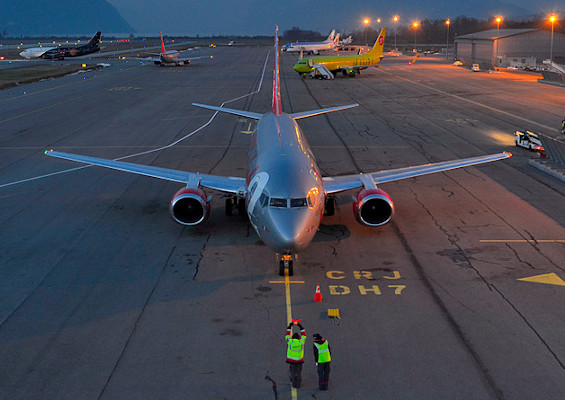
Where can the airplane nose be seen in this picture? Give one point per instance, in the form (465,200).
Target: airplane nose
(291,230)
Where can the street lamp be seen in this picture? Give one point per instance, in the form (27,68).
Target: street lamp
(447,22)
(498,20)
(552,18)
(395,19)
(366,22)
(415,25)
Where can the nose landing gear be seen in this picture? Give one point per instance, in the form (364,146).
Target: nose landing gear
(285,261)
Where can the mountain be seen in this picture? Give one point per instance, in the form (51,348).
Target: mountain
(60,17)
(253,17)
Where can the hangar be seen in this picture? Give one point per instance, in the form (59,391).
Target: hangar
(509,48)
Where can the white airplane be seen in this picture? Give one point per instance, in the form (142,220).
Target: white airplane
(35,52)
(283,193)
(172,57)
(345,41)
(313,47)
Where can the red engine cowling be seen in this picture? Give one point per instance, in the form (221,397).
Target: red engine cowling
(189,206)
(373,207)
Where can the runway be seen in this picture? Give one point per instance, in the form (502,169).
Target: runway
(105,297)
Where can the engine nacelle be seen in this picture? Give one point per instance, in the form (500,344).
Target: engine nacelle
(189,206)
(373,207)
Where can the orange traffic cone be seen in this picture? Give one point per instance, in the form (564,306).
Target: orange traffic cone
(318,294)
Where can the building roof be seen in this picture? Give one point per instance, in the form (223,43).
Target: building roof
(493,34)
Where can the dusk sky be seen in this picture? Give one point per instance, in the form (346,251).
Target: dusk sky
(252,17)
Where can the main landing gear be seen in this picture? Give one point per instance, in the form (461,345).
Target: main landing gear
(235,202)
(285,261)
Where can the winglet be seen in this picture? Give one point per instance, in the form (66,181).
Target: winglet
(162,44)
(277,107)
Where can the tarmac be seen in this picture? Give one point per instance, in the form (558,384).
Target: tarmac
(104,296)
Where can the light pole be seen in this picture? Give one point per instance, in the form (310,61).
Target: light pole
(366,22)
(415,25)
(498,21)
(552,19)
(447,22)
(395,19)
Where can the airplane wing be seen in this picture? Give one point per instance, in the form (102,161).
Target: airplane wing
(241,113)
(233,185)
(194,58)
(347,182)
(306,114)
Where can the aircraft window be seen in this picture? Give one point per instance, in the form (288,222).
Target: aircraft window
(282,203)
(295,203)
(264,200)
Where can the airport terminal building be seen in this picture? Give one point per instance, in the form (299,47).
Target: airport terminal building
(509,48)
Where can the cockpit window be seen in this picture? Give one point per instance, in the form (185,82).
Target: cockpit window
(264,200)
(282,203)
(295,203)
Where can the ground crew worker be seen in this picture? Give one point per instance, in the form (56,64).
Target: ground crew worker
(563,126)
(295,353)
(322,357)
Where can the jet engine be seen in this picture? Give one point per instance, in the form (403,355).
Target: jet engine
(373,207)
(189,206)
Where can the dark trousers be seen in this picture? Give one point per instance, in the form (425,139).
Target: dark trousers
(295,374)
(323,375)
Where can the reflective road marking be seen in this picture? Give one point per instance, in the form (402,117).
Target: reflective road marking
(548,279)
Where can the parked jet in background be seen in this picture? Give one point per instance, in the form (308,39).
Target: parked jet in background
(313,47)
(61,52)
(172,57)
(347,65)
(35,52)
(284,193)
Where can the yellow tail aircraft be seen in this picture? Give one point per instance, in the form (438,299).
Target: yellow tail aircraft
(347,65)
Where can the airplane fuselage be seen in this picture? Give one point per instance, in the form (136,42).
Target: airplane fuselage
(285,192)
(312,46)
(336,63)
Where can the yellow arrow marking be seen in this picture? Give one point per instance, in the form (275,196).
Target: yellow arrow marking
(549,279)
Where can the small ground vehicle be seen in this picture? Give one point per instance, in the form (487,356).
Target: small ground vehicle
(528,140)
(475,68)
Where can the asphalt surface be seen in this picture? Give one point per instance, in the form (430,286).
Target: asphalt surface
(103,296)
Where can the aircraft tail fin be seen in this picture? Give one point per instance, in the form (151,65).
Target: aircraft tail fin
(162,43)
(95,39)
(277,107)
(336,40)
(379,44)
(330,37)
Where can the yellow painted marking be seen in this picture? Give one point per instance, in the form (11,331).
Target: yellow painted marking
(363,274)
(549,279)
(397,288)
(248,131)
(333,312)
(293,391)
(375,289)
(523,241)
(339,290)
(396,275)
(335,274)
(286,282)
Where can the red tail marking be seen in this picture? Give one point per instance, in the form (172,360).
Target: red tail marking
(162,44)
(277,108)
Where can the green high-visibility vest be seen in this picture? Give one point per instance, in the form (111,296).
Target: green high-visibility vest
(295,349)
(323,352)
